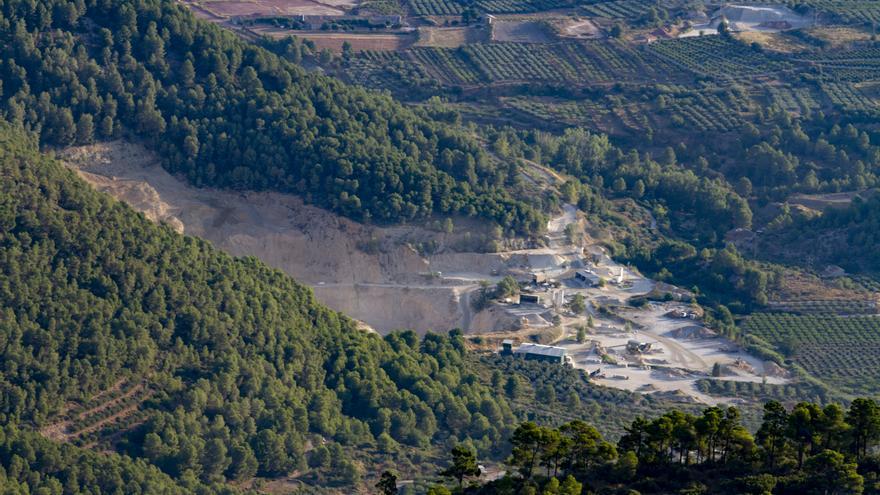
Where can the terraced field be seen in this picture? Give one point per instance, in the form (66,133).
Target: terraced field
(834,307)
(452,7)
(849,98)
(448,64)
(623,9)
(586,113)
(575,62)
(718,57)
(705,112)
(843,351)
(788,393)
(103,418)
(800,100)
(848,10)
(856,65)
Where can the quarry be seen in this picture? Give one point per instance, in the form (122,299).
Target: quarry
(749,18)
(378,276)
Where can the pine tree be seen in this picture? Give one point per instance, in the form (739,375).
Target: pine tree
(464,464)
(387,484)
(85,129)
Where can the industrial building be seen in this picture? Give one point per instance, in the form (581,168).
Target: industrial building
(588,277)
(529,299)
(535,352)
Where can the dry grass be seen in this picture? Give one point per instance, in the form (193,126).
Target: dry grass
(841,35)
(526,31)
(452,37)
(776,42)
(333,41)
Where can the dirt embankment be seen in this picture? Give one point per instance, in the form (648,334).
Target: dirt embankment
(372,274)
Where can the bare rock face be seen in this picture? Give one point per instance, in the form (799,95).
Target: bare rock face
(372,274)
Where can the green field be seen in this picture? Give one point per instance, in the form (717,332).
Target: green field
(843,351)
(452,7)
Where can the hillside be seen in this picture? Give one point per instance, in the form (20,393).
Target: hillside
(247,373)
(226,113)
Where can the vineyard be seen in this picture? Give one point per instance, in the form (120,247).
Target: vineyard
(842,351)
(857,65)
(584,113)
(606,62)
(840,307)
(847,97)
(516,61)
(794,100)
(762,392)
(718,57)
(447,64)
(705,112)
(848,10)
(103,418)
(387,70)
(580,63)
(452,7)
(623,9)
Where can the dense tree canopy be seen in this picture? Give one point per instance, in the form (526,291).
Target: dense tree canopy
(807,449)
(226,113)
(247,368)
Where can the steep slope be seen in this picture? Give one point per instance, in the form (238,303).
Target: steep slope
(32,464)
(226,113)
(248,373)
(368,272)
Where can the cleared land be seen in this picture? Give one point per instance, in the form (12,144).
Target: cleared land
(452,37)
(312,245)
(580,29)
(843,351)
(333,41)
(526,31)
(375,275)
(235,8)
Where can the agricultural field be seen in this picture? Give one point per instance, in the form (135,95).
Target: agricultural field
(849,98)
(613,114)
(387,70)
(857,65)
(226,9)
(841,37)
(515,61)
(453,37)
(842,307)
(525,31)
(587,113)
(623,9)
(447,65)
(452,7)
(795,100)
(572,62)
(848,10)
(704,111)
(333,41)
(842,351)
(719,58)
(789,393)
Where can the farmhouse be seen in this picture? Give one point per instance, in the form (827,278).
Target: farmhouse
(534,352)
